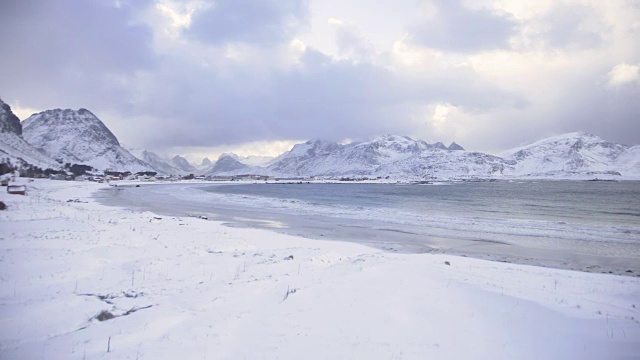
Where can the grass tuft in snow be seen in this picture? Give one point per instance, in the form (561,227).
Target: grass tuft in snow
(104,315)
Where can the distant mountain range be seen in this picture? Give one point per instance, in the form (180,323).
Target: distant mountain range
(55,137)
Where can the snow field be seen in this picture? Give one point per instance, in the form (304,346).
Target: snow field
(192,288)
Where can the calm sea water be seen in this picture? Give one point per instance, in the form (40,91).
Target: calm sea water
(603,203)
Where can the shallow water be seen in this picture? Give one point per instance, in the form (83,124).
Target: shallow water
(591,226)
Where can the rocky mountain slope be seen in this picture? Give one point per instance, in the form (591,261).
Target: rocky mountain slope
(14,149)
(9,122)
(79,137)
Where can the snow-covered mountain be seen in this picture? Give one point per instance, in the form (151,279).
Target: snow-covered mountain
(227,165)
(14,149)
(183,165)
(628,163)
(205,166)
(296,162)
(390,155)
(79,137)
(251,160)
(165,166)
(573,154)
(157,163)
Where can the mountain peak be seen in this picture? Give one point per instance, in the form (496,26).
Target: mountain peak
(319,142)
(226,163)
(9,122)
(390,138)
(440,145)
(14,148)
(455,146)
(229,154)
(78,137)
(182,164)
(67,123)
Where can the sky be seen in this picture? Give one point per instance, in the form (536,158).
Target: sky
(202,77)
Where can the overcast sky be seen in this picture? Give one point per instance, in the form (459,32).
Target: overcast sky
(198,77)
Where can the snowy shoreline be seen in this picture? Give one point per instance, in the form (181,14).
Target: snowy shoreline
(521,241)
(193,288)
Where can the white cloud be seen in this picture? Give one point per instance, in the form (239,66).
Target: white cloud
(623,74)
(405,54)
(448,123)
(334,21)
(440,113)
(177,19)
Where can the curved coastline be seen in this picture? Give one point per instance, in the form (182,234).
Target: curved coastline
(182,199)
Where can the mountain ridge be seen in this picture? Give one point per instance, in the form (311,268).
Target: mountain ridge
(78,136)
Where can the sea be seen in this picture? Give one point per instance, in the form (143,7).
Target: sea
(584,225)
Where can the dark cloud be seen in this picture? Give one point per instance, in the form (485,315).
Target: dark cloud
(53,51)
(610,112)
(586,103)
(456,28)
(260,22)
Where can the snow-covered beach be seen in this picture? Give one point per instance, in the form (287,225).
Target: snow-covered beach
(169,287)
(575,225)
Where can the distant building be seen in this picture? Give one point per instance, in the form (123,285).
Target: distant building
(249,177)
(219,178)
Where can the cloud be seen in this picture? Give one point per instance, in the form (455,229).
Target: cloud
(352,44)
(320,97)
(571,26)
(258,22)
(171,74)
(454,27)
(622,74)
(55,51)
